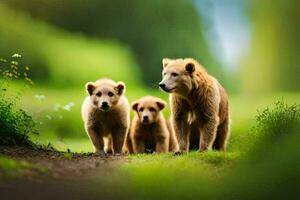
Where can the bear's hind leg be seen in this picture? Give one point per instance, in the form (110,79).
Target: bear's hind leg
(222,136)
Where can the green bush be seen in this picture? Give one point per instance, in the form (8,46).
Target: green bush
(271,169)
(282,120)
(15,124)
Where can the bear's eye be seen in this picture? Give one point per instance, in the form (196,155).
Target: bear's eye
(98,94)
(174,74)
(152,109)
(165,73)
(141,109)
(110,94)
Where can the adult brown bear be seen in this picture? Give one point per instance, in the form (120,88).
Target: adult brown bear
(199,104)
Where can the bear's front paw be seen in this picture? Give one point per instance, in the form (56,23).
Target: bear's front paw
(204,149)
(100,153)
(178,153)
(120,154)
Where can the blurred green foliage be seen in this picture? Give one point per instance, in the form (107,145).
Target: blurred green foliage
(270,170)
(152,29)
(273,63)
(61,59)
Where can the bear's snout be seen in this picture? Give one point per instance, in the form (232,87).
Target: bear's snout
(145,118)
(105,105)
(162,85)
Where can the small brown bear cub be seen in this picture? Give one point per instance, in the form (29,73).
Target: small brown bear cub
(199,105)
(149,131)
(105,113)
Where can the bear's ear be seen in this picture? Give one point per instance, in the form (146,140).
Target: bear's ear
(166,61)
(135,105)
(190,67)
(161,104)
(120,88)
(90,87)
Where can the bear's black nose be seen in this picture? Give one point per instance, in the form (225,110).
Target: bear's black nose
(162,85)
(104,104)
(145,118)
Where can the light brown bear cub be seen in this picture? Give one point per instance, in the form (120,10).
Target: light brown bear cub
(105,113)
(199,105)
(149,131)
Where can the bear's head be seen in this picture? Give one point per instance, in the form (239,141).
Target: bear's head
(178,75)
(105,93)
(148,109)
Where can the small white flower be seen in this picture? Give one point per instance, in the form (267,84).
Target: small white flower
(39,97)
(56,107)
(68,106)
(48,117)
(16,55)
(14,63)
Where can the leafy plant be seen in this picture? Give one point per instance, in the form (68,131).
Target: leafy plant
(15,124)
(277,122)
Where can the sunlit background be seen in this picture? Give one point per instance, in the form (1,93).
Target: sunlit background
(252,47)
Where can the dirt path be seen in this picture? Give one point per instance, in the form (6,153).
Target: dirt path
(63,166)
(67,176)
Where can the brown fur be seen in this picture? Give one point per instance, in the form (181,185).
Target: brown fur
(127,148)
(152,134)
(173,144)
(199,105)
(106,125)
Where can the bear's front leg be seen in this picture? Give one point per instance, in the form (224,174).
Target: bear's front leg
(96,138)
(208,133)
(162,144)
(138,144)
(182,131)
(118,137)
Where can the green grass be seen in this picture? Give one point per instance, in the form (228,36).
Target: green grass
(173,176)
(16,168)
(80,145)
(145,166)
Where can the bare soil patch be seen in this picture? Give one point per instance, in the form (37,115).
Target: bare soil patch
(67,175)
(63,166)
